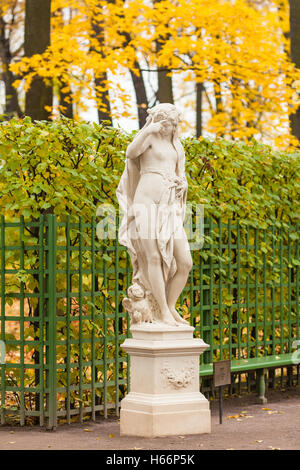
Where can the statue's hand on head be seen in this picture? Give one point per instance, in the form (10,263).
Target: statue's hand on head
(155,127)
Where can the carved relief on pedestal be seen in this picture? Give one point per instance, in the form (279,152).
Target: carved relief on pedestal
(179,378)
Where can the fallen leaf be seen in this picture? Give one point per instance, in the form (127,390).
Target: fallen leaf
(111,435)
(265,409)
(87,430)
(12,442)
(232,417)
(98,438)
(259,441)
(275,412)
(274,448)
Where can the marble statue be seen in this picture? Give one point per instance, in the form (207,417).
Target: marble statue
(164,397)
(152,196)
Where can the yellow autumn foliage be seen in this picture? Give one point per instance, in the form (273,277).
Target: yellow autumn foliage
(237,48)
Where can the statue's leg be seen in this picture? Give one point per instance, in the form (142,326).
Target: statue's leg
(149,248)
(184,265)
(156,279)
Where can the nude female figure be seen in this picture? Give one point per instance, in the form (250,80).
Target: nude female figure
(155,165)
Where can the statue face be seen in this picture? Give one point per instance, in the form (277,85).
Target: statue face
(168,128)
(169,124)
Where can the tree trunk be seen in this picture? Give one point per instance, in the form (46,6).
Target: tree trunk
(37,39)
(295,55)
(165,90)
(104,113)
(65,100)
(65,97)
(199,94)
(137,79)
(139,85)
(140,94)
(104,109)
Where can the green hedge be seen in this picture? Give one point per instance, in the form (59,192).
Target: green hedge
(68,167)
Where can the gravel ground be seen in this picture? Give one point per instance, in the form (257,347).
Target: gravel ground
(246,425)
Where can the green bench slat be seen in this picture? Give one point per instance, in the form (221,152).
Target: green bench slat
(241,365)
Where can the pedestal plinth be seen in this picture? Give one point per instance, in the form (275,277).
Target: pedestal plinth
(164,397)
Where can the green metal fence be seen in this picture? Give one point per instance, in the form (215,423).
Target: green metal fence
(62,321)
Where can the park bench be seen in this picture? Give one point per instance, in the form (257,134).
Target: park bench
(256,363)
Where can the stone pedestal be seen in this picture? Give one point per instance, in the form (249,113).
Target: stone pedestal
(164,397)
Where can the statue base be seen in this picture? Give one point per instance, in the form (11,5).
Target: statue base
(164,397)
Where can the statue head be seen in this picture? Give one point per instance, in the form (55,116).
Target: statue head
(168,112)
(165,112)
